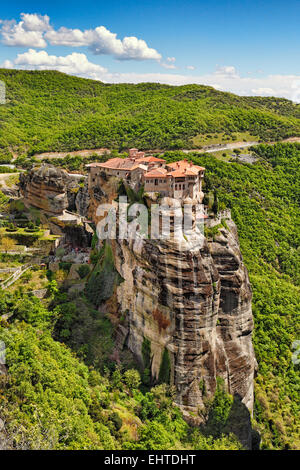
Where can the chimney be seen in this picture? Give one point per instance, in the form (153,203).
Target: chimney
(133,152)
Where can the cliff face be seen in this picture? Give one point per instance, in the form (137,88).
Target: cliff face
(193,300)
(48,188)
(45,188)
(82,200)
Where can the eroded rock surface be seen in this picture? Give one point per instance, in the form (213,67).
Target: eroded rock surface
(48,188)
(82,201)
(195,301)
(45,188)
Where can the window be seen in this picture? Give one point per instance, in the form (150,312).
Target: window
(183,186)
(155,182)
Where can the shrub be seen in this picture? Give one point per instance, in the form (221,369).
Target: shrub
(165,368)
(132,379)
(116,420)
(83,270)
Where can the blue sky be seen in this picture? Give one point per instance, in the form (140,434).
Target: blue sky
(248,47)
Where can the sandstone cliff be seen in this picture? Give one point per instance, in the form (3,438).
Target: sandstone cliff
(195,302)
(48,188)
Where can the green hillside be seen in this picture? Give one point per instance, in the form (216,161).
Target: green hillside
(50,111)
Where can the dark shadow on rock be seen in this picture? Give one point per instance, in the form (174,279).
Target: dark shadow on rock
(239,424)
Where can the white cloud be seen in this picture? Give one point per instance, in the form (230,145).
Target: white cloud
(190,67)
(263,91)
(7,64)
(35,22)
(74,64)
(28,32)
(168,66)
(227,71)
(287,86)
(35,30)
(102,41)
(69,37)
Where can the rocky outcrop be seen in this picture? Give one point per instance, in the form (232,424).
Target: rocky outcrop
(45,188)
(49,188)
(192,299)
(12,191)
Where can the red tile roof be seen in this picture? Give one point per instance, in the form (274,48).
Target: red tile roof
(151,159)
(177,174)
(156,173)
(115,164)
(184,165)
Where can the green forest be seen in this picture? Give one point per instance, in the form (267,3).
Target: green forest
(50,111)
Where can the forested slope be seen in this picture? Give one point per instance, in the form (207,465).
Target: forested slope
(48,111)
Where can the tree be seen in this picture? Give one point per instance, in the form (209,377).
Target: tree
(60,275)
(165,368)
(7,244)
(132,379)
(205,201)
(116,381)
(117,421)
(27,277)
(83,270)
(215,206)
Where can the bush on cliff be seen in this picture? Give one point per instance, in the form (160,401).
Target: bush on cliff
(104,278)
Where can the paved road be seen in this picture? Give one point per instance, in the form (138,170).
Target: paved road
(220,147)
